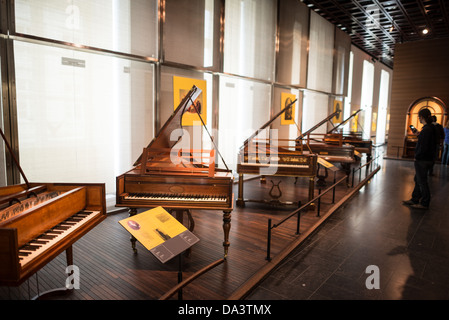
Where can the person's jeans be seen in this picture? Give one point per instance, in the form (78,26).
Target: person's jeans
(421,192)
(445,156)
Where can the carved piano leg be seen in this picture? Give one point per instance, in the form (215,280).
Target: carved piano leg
(132,212)
(69,256)
(226,228)
(311,193)
(321,178)
(58,291)
(347,170)
(191,221)
(240,201)
(311,188)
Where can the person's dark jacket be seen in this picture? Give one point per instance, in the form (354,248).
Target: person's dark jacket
(440,131)
(426,145)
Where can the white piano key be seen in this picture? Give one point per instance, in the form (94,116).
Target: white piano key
(158,197)
(51,237)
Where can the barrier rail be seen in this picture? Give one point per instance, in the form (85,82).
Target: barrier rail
(298,211)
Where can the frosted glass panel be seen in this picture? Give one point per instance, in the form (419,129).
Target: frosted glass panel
(81,117)
(367,97)
(293,35)
(315,109)
(383,106)
(341,62)
(347,108)
(249,38)
(244,108)
(129,26)
(321,46)
(192,32)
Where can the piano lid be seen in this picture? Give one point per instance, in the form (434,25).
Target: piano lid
(162,139)
(319,124)
(334,129)
(268,123)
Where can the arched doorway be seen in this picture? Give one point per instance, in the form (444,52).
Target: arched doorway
(438,109)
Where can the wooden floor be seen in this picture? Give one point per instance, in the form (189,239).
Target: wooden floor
(109,270)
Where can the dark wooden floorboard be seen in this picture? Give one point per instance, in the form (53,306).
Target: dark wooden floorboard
(109,270)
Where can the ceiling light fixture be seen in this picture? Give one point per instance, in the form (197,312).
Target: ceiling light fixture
(425,31)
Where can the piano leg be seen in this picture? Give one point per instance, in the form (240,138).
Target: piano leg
(58,291)
(347,170)
(321,178)
(240,201)
(69,256)
(311,193)
(132,212)
(226,228)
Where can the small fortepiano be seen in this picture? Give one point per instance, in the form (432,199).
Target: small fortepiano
(266,157)
(336,137)
(41,220)
(38,221)
(334,153)
(177,179)
(343,153)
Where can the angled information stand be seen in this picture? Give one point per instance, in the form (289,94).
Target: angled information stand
(159,232)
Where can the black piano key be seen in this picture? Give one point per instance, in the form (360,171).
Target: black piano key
(68,223)
(38,241)
(29,247)
(47,236)
(60,228)
(56,232)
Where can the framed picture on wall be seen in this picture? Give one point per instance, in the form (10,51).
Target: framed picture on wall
(181,86)
(338,105)
(288,117)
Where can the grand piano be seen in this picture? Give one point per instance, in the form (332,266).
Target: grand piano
(267,157)
(337,137)
(343,153)
(315,143)
(175,178)
(38,221)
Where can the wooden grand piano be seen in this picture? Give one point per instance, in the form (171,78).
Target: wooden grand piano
(315,143)
(177,179)
(38,221)
(336,137)
(343,154)
(266,157)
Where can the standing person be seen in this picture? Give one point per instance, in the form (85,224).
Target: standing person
(424,159)
(445,157)
(440,139)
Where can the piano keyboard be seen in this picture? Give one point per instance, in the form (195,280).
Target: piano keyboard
(175,197)
(46,240)
(276,165)
(332,158)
